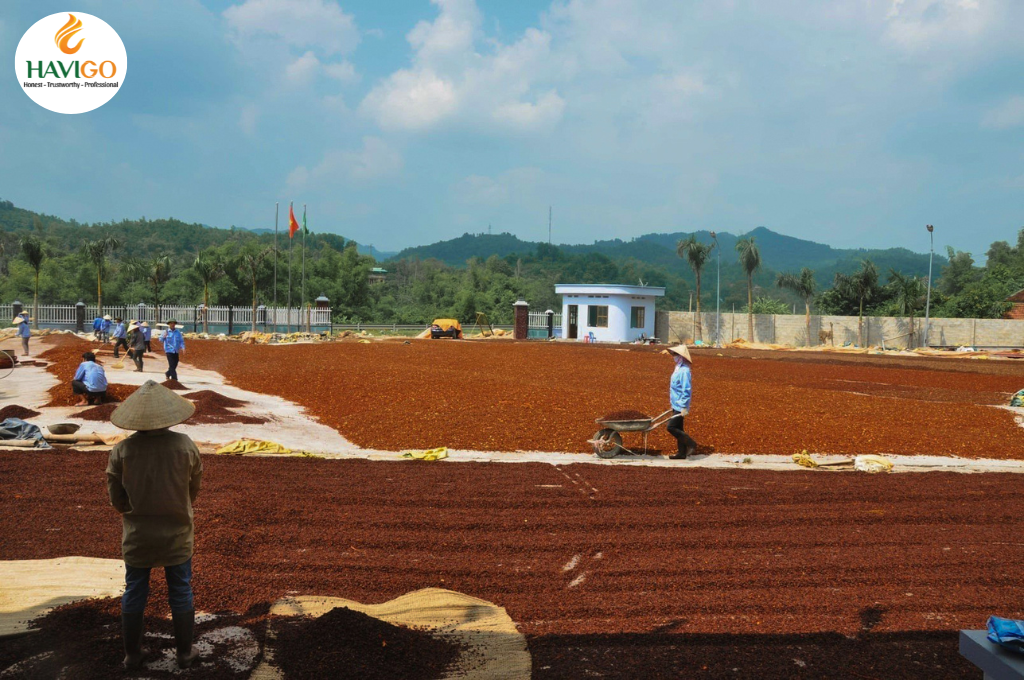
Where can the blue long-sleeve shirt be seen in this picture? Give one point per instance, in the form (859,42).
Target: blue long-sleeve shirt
(147,332)
(681,388)
(106,326)
(23,330)
(97,324)
(119,331)
(93,376)
(174,342)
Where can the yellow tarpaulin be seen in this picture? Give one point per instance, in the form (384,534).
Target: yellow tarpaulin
(249,446)
(427,454)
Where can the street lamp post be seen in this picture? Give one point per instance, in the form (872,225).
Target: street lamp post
(928,298)
(718,294)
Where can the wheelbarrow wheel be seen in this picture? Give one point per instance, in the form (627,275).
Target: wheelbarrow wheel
(607,443)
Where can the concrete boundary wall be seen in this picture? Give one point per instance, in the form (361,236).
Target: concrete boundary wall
(673,327)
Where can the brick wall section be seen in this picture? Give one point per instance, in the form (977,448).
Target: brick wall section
(674,327)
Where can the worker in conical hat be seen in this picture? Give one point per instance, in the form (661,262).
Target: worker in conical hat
(680,391)
(136,345)
(23,332)
(153,478)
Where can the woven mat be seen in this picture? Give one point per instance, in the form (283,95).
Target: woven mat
(31,588)
(493,647)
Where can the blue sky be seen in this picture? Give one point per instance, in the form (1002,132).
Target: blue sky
(406,122)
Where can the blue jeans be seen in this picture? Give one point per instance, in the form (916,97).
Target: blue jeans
(179,588)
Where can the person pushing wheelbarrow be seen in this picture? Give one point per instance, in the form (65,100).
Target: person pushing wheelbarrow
(679,392)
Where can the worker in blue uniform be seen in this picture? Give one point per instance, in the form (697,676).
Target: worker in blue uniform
(680,394)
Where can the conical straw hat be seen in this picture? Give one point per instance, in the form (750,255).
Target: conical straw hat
(152,407)
(17,320)
(682,351)
(107,317)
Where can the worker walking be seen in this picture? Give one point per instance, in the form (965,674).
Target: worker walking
(23,332)
(174,345)
(106,328)
(147,334)
(136,345)
(120,335)
(680,392)
(153,478)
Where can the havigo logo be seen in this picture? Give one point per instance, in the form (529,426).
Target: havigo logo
(65,34)
(73,86)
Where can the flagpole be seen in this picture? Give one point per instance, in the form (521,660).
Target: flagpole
(290,240)
(304,230)
(277,208)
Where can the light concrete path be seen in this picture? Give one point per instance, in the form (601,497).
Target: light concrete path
(289,425)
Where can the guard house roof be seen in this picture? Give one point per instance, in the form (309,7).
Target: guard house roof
(608,290)
(1017,297)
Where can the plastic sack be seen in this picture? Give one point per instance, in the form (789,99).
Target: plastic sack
(426,454)
(872,463)
(1007,633)
(1018,399)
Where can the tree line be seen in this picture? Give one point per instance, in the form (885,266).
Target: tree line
(49,260)
(962,289)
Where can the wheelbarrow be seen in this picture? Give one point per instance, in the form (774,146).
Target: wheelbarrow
(607,442)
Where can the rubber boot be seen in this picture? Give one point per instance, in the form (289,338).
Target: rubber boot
(184,627)
(131,632)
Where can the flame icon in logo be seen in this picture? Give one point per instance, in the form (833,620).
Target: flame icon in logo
(66,33)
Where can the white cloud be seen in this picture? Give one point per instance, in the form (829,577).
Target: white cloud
(503,86)
(530,116)
(921,25)
(411,100)
(345,71)
(1009,114)
(302,70)
(247,119)
(318,24)
(375,160)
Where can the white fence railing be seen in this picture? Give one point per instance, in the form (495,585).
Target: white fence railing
(217,315)
(539,320)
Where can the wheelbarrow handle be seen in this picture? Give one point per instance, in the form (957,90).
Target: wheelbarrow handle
(657,420)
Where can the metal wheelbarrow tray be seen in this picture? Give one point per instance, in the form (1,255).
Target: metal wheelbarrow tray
(607,442)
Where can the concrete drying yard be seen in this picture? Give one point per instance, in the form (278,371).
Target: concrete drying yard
(711,568)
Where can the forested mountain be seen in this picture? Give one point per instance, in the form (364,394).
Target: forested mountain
(778,251)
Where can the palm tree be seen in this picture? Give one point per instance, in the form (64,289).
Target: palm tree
(155,272)
(750,261)
(697,254)
(907,294)
(35,252)
(210,268)
(803,285)
(862,284)
(97,252)
(249,265)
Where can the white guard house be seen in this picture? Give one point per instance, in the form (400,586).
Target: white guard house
(607,312)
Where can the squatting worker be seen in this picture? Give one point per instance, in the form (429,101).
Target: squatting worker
(23,332)
(120,335)
(174,345)
(680,391)
(136,345)
(90,381)
(147,333)
(153,479)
